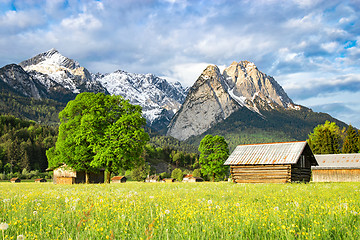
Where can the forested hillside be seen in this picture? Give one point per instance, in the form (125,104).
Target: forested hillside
(23,144)
(247,127)
(43,110)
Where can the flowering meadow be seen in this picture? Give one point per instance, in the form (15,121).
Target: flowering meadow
(180,211)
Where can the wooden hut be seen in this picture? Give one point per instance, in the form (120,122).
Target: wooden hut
(195,179)
(168,180)
(271,163)
(15,180)
(152,178)
(66,175)
(337,168)
(40,180)
(118,179)
(186,177)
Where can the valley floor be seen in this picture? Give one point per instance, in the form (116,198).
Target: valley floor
(181,211)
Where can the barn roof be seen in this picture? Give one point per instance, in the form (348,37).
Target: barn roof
(267,153)
(349,160)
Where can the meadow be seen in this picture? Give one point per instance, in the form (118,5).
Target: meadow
(180,211)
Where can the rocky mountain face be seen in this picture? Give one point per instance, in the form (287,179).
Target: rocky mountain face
(215,96)
(207,103)
(159,99)
(51,75)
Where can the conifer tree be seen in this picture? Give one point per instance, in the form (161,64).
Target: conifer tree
(325,139)
(351,142)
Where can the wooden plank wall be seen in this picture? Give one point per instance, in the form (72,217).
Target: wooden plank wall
(299,174)
(336,175)
(261,173)
(65,180)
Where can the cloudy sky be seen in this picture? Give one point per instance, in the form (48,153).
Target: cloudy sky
(311,47)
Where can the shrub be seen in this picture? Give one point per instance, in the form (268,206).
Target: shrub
(165,175)
(196,173)
(177,174)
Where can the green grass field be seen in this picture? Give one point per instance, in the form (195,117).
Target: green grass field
(181,211)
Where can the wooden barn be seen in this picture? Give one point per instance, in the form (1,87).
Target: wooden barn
(15,180)
(152,178)
(337,168)
(271,163)
(40,180)
(118,179)
(66,175)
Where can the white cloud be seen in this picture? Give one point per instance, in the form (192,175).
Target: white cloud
(304,44)
(82,22)
(330,46)
(13,21)
(186,73)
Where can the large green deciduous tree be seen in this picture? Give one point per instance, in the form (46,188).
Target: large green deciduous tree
(213,153)
(99,131)
(325,139)
(351,141)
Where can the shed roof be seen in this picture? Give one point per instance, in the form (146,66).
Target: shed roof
(349,160)
(267,153)
(118,177)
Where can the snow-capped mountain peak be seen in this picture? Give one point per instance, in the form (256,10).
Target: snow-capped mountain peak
(159,98)
(61,70)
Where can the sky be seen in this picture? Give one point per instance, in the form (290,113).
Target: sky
(310,47)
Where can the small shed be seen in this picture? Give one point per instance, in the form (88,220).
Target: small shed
(40,180)
(118,179)
(195,179)
(337,168)
(169,180)
(15,180)
(271,163)
(66,175)
(186,177)
(152,178)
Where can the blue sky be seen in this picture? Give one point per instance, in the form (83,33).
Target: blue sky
(311,47)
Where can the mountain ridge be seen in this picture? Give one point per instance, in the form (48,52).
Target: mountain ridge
(215,96)
(51,75)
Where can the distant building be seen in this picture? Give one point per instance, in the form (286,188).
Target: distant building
(152,178)
(186,177)
(271,163)
(337,168)
(66,175)
(40,180)
(195,179)
(15,180)
(118,179)
(168,180)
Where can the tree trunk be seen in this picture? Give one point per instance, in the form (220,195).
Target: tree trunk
(107,176)
(213,177)
(87,177)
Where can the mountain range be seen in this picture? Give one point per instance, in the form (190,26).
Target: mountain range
(241,103)
(50,75)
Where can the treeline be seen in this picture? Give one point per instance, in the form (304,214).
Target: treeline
(23,145)
(329,138)
(43,111)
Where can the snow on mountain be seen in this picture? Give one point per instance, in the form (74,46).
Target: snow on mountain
(61,70)
(152,93)
(59,75)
